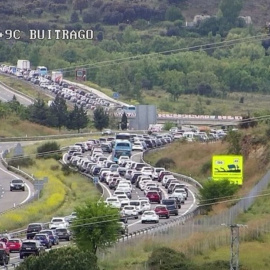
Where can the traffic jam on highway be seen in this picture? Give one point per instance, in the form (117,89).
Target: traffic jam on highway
(142,193)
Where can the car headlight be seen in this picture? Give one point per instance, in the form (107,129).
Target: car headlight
(12,185)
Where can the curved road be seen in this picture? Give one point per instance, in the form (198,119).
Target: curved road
(6,95)
(10,199)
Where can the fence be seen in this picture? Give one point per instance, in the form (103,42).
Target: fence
(196,227)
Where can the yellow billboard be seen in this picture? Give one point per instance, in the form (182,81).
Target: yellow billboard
(228,167)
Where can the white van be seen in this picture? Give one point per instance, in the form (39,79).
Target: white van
(189,136)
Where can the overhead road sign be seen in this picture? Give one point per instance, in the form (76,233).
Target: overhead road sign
(228,167)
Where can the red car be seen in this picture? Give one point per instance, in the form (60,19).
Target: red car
(153,196)
(14,244)
(162,211)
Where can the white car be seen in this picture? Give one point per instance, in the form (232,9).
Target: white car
(149,216)
(58,222)
(156,172)
(179,194)
(147,171)
(125,187)
(113,202)
(137,146)
(123,159)
(130,211)
(106,132)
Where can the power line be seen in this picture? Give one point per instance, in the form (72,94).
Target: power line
(193,48)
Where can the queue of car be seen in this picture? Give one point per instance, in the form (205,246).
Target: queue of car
(125,175)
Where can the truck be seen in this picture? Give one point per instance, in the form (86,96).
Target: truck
(23,65)
(57,76)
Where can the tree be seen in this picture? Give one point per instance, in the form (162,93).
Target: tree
(230,10)
(74,17)
(173,13)
(234,140)
(38,112)
(124,121)
(174,83)
(101,118)
(58,112)
(96,226)
(80,5)
(66,258)
(77,118)
(214,191)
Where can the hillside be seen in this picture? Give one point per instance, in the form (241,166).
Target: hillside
(257,10)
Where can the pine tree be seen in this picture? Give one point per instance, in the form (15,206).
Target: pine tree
(124,121)
(101,118)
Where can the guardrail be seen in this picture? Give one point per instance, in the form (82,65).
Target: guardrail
(16,91)
(24,175)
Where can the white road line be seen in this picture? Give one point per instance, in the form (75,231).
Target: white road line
(104,186)
(193,203)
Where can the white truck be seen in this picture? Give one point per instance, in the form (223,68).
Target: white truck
(57,76)
(23,65)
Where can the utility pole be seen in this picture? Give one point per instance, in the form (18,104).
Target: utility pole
(234,261)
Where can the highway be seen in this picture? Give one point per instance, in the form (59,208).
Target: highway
(6,95)
(10,199)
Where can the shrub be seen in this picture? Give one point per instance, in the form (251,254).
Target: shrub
(54,167)
(21,161)
(206,167)
(66,169)
(49,150)
(165,163)
(166,258)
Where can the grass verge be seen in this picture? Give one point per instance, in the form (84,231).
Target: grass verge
(59,196)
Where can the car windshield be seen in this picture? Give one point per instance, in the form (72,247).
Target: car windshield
(13,241)
(168,202)
(61,230)
(57,220)
(129,208)
(160,208)
(135,203)
(148,213)
(17,181)
(40,237)
(29,244)
(112,200)
(34,226)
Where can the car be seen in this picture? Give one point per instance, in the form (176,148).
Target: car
(17,184)
(149,216)
(123,228)
(130,211)
(58,222)
(137,146)
(71,217)
(63,234)
(153,196)
(33,229)
(14,244)
(4,253)
(177,201)
(113,202)
(44,239)
(31,247)
(52,236)
(162,211)
(179,194)
(106,132)
(171,206)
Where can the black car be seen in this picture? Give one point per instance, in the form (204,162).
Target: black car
(33,229)
(17,184)
(31,247)
(63,234)
(171,206)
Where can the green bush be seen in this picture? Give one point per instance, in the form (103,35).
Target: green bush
(21,161)
(165,163)
(66,169)
(54,167)
(168,259)
(206,167)
(49,150)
